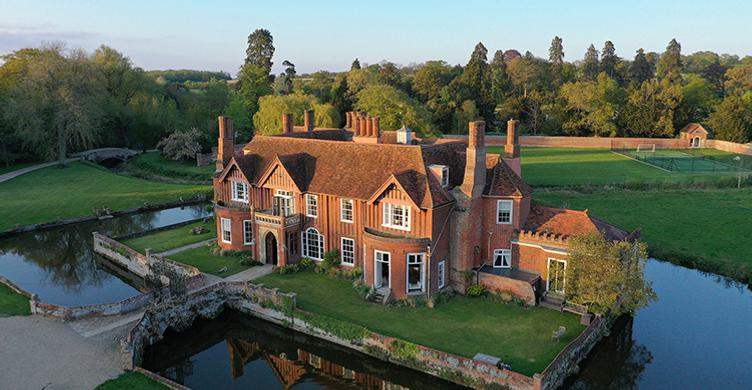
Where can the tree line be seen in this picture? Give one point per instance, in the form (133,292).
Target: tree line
(54,100)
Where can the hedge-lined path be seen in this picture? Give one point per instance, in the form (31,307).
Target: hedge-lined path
(41,352)
(10,175)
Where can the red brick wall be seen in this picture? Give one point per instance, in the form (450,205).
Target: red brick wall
(584,142)
(534,259)
(398,250)
(236,216)
(518,288)
(500,235)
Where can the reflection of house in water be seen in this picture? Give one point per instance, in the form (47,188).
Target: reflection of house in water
(292,370)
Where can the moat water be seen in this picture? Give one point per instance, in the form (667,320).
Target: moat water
(696,336)
(61,267)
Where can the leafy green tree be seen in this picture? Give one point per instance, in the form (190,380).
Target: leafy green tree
(395,109)
(501,85)
(260,50)
(527,74)
(556,52)
(253,83)
(650,109)
(740,77)
(431,78)
(342,100)
(590,65)
(475,81)
(55,102)
(466,113)
(594,107)
(355,64)
(268,119)
(283,84)
(669,66)
(732,120)
(320,85)
(641,69)
(698,100)
(609,60)
(608,277)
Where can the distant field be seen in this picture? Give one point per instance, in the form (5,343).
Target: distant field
(56,193)
(708,229)
(561,167)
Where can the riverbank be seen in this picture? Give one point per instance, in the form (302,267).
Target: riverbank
(82,189)
(154,166)
(703,229)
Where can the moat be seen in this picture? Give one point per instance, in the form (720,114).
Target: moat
(687,339)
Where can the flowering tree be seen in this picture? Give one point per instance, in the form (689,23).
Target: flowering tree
(181,145)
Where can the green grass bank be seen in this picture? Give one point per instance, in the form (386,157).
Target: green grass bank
(13,303)
(173,238)
(153,165)
(55,193)
(520,336)
(130,380)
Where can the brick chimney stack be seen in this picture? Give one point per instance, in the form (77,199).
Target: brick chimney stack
(286,123)
(376,127)
(356,125)
(348,120)
(226,147)
(369,127)
(309,120)
(512,147)
(475,166)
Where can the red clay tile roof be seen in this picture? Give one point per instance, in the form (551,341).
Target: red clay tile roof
(348,169)
(319,133)
(501,180)
(693,126)
(566,222)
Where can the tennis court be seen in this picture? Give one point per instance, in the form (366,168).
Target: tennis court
(686,160)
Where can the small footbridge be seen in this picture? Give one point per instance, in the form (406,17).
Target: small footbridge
(107,154)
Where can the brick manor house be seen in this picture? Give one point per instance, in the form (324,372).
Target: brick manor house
(416,215)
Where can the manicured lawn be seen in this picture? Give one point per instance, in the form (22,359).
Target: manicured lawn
(206,261)
(172,238)
(708,229)
(54,193)
(12,303)
(155,164)
(4,169)
(131,381)
(557,167)
(464,326)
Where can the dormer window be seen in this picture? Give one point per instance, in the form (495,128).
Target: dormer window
(441,172)
(239,191)
(396,216)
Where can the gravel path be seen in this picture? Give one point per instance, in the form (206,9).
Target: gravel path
(10,175)
(45,353)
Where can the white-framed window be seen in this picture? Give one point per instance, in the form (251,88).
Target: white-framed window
(416,270)
(396,216)
(313,244)
(347,251)
(247,232)
(226,230)
(284,203)
(445,176)
(312,205)
(239,191)
(504,211)
(442,274)
(346,210)
(502,258)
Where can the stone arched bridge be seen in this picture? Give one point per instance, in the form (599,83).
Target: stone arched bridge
(102,154)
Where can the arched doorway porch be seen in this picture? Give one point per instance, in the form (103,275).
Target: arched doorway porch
(270,249)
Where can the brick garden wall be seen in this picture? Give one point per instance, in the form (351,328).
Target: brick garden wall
(518,288)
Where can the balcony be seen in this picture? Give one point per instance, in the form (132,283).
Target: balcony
(270,218)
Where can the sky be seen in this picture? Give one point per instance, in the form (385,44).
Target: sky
(328,35)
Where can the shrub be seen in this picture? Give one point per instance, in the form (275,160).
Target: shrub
(476,290)
(331,260)
(306,263)
(361,288)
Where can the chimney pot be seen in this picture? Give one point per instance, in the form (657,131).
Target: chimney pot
(226,147)
(348,120)
(369,127)
(376,126)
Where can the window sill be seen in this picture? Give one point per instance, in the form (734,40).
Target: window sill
(345,221)
(404,229)
(347,264)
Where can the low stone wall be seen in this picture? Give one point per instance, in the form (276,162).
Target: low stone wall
(142,264)
(128,305)
(567,361)
(518,288)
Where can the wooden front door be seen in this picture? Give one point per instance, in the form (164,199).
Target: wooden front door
(271,249)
